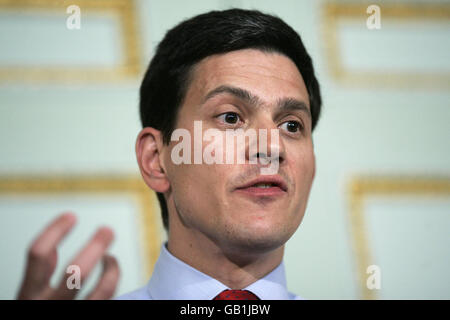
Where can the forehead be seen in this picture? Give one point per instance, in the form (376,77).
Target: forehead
(270,76)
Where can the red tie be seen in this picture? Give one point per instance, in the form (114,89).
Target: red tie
(236,295)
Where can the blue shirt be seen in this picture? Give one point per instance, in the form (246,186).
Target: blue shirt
(172,279)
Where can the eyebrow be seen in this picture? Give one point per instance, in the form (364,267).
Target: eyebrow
(289,104)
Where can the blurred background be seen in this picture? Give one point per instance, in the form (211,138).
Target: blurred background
(378,219)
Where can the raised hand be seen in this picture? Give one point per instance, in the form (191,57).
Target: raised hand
(42,258)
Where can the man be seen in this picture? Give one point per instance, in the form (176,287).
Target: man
(227,222)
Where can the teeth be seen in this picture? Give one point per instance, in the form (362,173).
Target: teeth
(263,185)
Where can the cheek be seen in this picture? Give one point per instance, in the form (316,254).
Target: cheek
(197,186)
(303,167)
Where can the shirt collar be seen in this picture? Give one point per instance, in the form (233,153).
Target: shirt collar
(172,279)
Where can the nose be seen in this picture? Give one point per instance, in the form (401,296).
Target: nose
(268,147)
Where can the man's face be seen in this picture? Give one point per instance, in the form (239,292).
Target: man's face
(220,201)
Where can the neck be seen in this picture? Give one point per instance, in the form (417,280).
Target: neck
(234,268)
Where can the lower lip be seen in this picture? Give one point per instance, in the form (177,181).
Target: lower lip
(261,192)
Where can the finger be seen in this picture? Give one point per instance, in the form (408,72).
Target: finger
(86,261)
(42,256)
(107,284)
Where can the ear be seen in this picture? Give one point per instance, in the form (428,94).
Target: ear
(149,144)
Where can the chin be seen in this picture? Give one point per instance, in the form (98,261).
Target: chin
(259,237)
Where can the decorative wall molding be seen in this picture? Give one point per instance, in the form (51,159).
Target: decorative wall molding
(122,10)
(363,187)
(404,12)
(145,199)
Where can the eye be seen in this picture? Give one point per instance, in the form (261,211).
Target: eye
(229,117)
(291,126)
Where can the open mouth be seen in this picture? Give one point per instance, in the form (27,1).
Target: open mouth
(264,186)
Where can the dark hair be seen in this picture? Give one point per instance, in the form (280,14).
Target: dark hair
(167,78)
